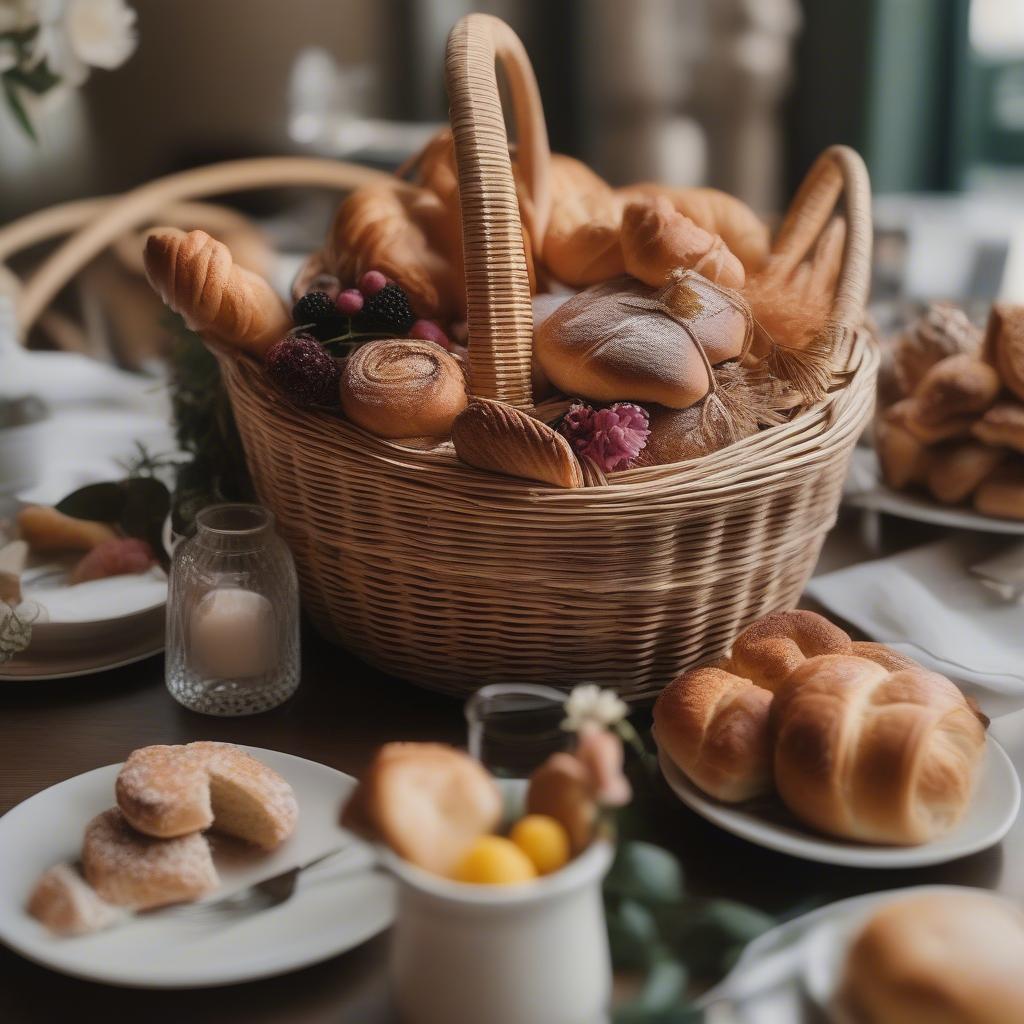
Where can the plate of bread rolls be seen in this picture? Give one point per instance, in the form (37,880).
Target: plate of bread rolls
(920,955)
(101,871)
(843,752)
(950,436)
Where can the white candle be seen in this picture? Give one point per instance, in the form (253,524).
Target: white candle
(233,634)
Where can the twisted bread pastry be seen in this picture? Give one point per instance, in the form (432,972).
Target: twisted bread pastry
(657,241)
(403,389)
(196,276)
(498,437)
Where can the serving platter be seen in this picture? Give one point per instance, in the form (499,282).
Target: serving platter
(336,907)
(865,489)
(768,823)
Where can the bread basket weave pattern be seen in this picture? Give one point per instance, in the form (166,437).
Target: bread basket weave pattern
(453,578)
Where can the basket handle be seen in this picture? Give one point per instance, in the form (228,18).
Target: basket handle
(132,209)
(500,311)
(839,171)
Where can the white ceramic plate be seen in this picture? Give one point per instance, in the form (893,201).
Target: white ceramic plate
(801,960)
(866,489)
(767,822)
(336,907)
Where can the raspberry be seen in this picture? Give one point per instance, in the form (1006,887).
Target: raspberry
(304,370)
(388,310)
(313,308)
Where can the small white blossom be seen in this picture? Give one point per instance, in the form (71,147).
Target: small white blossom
(590,705)
(102,32)
(17,15)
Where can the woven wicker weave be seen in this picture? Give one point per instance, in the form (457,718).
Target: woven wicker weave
(454,578)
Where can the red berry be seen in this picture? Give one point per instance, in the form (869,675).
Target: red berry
(371,282)
(427,330)
(349,302)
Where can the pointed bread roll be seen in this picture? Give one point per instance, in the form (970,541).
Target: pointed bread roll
(196,276)
(498,437)
(1002,425)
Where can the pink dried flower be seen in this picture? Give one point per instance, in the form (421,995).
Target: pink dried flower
(600,752)
(611,437)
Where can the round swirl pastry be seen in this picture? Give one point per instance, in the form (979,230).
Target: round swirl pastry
(402,389)
(167,791)
(129,869)
(866,752)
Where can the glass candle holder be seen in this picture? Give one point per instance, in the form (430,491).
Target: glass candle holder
(232,615)
(513,727)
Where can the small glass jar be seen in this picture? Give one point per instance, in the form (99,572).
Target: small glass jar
(232,615)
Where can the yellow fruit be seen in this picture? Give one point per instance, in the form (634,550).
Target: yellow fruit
(544,840)
(493,860)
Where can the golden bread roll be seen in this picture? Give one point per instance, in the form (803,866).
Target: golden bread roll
(769,650)
(562,788)
(882,655)
(130,869)
(1004,345)
(657,241)
(622,341)
(906,413)
(1002,494)
(745,234)
(937,958)
(45,529)
(67,905)
(503,439)
(196,276)
(403,388)
(904,459)
(879,756)
(955,473)
(714,727)
(404,232)
(581,246)
(1002,425)
(167,791)
(956,386)
(429,802)
(943,330)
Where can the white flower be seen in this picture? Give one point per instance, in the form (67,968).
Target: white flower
(102,32)
(590,705)
(17,15)
(76,34)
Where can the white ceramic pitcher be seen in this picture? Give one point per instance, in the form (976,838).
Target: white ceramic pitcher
(535,953)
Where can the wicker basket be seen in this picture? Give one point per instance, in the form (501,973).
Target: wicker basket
(454,578)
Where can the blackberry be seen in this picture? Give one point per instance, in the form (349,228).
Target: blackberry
(304,370)
(388,310)
(313,308)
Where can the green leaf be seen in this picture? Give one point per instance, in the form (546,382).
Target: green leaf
(103,503)
(709,937)
(665,986)
(645,872)
(632,934)
(18,108)
(738,921)
(37,79)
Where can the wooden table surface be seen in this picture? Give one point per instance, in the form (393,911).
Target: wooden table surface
(343,710)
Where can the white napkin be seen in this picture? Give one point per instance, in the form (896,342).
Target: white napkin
(926,603)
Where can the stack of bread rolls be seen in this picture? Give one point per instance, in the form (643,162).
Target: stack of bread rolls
(150,850)
(858,741)
(957,429)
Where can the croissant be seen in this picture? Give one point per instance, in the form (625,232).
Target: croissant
(743,232)
(581,246)
(196,276)
(863,752)
(406,233)
(657,241)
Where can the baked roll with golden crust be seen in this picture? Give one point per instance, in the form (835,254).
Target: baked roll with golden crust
(1004,345)
(197,278)
(907,414)
(942,330)
(715,727)
(904,459)
(769,650)
(1002,425)
(957,386)
(937,958)
(879,756)
(954,474)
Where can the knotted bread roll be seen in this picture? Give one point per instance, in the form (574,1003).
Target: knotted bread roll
(867,753)
(196,276)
